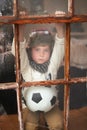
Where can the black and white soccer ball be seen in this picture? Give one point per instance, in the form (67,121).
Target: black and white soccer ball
(40,98)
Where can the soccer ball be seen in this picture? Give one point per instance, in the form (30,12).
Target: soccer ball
(40,98)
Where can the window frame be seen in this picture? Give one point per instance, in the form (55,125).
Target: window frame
(16,19)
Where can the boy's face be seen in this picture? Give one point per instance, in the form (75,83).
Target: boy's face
(40,54)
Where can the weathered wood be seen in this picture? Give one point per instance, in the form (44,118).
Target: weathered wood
(42,19)
(34,19)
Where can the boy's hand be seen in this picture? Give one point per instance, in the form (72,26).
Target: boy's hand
(60,13)
(23,13)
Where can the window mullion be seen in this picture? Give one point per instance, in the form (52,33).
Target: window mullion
(18,76)
(66,76)
(71,7)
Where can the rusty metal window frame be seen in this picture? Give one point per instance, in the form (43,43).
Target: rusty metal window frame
(16,19)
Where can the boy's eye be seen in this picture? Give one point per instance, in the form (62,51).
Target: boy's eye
(37,49)
(46,50)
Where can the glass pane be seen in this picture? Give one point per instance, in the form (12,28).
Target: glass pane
(80,6)
(78,49)
(41,102)
(78,95)
(78,105)
(42,7)
(6,7)
(39,60)
(7,72)
(8,110)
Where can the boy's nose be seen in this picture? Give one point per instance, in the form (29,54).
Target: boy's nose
(41,53)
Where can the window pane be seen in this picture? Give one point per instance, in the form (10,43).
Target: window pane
(42,7)
(78,105)
(8,110)
(80,6)
(78,49)
(6,7)
(40,62)
(38,100)
(7,72)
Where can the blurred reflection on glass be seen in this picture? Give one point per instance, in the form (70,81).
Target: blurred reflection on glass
(42,7)
(78,45)
(7,62)
(80,7)
(6,7)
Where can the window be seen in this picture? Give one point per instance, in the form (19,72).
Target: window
(40,13)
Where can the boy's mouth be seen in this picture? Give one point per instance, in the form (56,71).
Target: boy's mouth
(40,60)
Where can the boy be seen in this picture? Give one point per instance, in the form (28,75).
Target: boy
(41,64)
